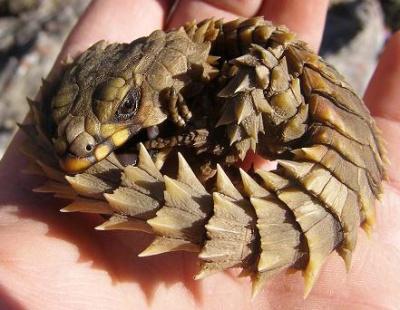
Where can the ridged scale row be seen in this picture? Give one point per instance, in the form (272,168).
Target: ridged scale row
(274,223)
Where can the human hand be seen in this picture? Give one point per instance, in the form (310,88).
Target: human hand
(57,261)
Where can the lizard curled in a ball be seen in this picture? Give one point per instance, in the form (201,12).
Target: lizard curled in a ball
(149,134)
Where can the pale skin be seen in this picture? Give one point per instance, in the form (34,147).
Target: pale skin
(50,260)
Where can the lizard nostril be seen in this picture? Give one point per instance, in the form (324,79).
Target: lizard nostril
(89,147)
(82,145)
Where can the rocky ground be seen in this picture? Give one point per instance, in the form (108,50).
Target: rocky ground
(354,36)
(31,35)
(32,32)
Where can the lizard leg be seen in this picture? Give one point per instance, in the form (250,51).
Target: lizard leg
(177,107)
(196,138)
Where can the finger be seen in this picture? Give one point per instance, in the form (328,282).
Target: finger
(383,98)
(383,93)
(306,17)
(115,21)
(199,10)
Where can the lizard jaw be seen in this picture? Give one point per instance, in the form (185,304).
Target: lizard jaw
(73,164)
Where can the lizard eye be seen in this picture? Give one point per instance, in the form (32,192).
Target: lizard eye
(128,106)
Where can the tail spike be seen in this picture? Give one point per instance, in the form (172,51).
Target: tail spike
(88,206)
(272,181)
(251,187)
(147,164)
(225,186)
(296,169)
(187,176)
(163,245)
(119,222)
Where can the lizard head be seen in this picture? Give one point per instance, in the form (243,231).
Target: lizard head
(100,104)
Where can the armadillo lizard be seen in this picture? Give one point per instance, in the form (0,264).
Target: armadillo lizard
(149,134)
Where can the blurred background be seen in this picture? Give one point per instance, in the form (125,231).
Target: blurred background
(32,32)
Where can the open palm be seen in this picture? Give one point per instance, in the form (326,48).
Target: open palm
(54,261)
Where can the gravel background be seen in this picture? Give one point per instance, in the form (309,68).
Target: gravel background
(29,43)
(32,32)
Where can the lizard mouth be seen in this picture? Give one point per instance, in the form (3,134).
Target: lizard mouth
(73,164)
(124,143)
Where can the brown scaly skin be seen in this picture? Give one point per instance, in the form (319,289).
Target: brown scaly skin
(213,91)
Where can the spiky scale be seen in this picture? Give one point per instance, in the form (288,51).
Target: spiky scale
(313,220)
(229,233)
(147,164)
(88,185)
(340,201)
(131,202)
(88,206)
(224,185)
(56,188)
(273,219)
(120,222)
(138,179)
(163,245)
(251,187)
(187,176)
(182,217)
